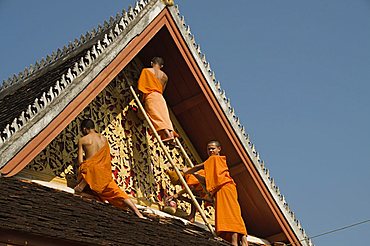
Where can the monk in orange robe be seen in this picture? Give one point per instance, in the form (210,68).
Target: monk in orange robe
(95,170)
(152,83)
(228,219)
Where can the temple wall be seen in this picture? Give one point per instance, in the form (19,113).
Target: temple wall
(138,163)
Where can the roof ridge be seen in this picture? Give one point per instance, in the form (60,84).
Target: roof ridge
(225,103)
(68,49)
(113,30)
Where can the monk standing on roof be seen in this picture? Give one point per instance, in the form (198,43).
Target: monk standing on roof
(229,222)
(152,83)
(95,171)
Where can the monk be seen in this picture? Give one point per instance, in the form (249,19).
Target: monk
(229,222)
(152,83)
(95,170)
(197,189)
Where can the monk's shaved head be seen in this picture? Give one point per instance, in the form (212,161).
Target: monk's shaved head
(88,124)
(158,60)
(215,142)
(213,148)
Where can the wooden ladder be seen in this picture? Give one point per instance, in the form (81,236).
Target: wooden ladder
(183,182)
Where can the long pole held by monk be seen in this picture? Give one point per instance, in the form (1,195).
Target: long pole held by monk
(184,152)
(194,200)
(189,162)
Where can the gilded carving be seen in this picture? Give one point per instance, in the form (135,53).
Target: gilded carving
(138,162)
(168,2)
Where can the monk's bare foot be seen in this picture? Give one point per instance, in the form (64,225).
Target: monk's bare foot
(80,186)
(167,134)
(138,213)
(244,240)
(142,217)
(133,208)
(171,143)
(168,140)
(234,238)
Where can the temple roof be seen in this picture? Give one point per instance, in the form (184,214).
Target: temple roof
(38,94)
(67,219)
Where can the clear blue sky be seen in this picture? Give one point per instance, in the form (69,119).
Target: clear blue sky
(297,73)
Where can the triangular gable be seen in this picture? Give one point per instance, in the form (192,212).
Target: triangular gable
(102,62)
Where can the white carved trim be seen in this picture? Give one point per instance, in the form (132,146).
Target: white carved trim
(66,50)
(85,69)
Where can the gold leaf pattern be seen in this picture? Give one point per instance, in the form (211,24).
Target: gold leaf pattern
(138,163)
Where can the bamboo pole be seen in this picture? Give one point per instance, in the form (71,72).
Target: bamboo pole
(194,200)
(190,164)
(184,153)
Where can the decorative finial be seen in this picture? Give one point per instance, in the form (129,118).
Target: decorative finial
(168,2)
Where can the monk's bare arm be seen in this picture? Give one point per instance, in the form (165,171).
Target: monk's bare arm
(178,194)
(200,178)
(194,169)
(165,80)
(80,186)
(80,156)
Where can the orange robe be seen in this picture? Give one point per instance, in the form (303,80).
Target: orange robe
(155,104)
(97,173)
(197,187)
(219,183)
(194,184)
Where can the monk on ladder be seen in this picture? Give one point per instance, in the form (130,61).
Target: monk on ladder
(152,83)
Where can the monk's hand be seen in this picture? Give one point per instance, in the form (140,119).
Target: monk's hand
(185,170)
(80,187)
(170,198)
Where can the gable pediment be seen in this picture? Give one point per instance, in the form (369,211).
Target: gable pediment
(72,81)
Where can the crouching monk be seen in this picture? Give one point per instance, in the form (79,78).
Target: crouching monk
(96,172)
(152,83)
(228,219)
(197,189)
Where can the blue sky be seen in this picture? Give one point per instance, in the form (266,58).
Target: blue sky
(297,73)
